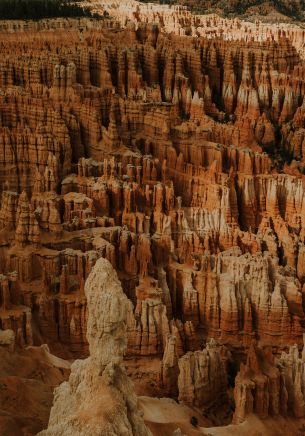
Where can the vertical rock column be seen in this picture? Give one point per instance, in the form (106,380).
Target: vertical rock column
(99,398)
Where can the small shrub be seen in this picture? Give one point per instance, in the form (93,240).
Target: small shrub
(194,421)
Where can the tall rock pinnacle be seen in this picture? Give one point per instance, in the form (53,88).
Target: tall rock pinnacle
(98,399)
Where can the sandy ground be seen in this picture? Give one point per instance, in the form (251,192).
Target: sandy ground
(254,426)
(164,416)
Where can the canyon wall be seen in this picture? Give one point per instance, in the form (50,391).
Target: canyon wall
(177,155)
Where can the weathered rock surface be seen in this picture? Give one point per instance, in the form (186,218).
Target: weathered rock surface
(99,394)
(169,370)
(270,387)
(202,380)
(170,200)
(174,150)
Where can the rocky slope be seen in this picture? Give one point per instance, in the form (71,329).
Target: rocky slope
(176,151)
(27,379)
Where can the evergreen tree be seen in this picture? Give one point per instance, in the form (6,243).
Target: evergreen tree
(36,9)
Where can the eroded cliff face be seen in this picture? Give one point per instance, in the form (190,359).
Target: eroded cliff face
(177,156)
(184,18)
(268,386)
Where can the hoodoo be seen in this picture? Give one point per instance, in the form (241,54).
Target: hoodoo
(99,399)
(152,217)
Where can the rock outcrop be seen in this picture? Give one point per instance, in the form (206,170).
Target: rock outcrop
(144,153)
(100,395)
(169,370)
(259,387)
(175,151)
(270,387)
(202,380)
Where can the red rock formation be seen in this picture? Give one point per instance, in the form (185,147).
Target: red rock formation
(202,380)
(269,387)
(177,158)
(169,370)
(259,387)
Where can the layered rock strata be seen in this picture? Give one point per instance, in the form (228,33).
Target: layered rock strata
(202,380)
(155,182)
(270,387)
(173,150)
(178,19)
